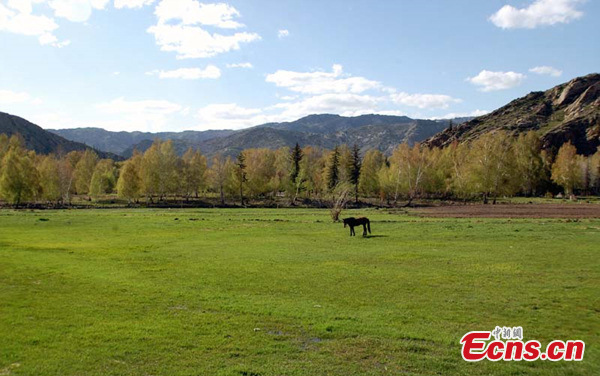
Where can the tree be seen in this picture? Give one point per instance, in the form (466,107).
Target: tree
(66,173)
(19,178)
(411,167)
(103,179)
(369,181)
(168,169)
(218,173)
(566,170)
(312,170)
(296,160)
(84,171)
(529,165)
(259,169)
(150,171)
(333,169)
(240,174)
(491,168)
(193,172)
(49,175)
(459,180)
(354,170)
(281,180)
(129,185)
(595,171)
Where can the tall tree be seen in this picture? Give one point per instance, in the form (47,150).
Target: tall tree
(49,175)
(529,165)
(240,173)
(168,169)
(566,170)
(260,172)
(150,171)
(333,169)
(19,178)
(296,160)
(492,168)
(312,171)
(129,185)
(104,178)
(193,172)
(369,180)
(218,174)
(354,170)
(595,171)
(412,168)
(84,171)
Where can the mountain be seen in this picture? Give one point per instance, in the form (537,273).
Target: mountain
(120,142)
(40,140)
(567,112)
(326,130)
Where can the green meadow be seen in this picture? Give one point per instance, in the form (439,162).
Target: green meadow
(287,292)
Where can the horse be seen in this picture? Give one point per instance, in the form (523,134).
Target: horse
(364,221)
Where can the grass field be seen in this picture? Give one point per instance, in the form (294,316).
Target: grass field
(287,292)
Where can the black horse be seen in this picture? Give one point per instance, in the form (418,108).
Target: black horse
(352,222)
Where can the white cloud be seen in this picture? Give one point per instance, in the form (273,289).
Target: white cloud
(229,116)
(210,71)
(194,42)
(424,100)
(321,82)
(10,97)
(121,105)
(240,65)
(192,12)
(18,18)
(72,10)
(25,23)
(453,115)
(545,69)
(283,33)
(178,28)
(146,115)
(131,4)
(492,81)
(538,13)
(346,104)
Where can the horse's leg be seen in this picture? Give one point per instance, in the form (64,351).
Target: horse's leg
(364,230)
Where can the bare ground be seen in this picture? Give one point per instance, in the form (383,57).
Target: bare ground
(512,211)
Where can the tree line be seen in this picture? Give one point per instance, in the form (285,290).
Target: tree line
(491,166)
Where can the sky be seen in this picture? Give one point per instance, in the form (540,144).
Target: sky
(172,65)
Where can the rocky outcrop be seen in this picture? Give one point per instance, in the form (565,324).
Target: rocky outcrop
(567,112)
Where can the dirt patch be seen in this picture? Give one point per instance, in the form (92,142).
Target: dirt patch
(512,211)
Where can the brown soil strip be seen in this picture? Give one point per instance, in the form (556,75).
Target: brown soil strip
(512,211)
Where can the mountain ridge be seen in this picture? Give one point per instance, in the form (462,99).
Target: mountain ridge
(322,130)
(42,141)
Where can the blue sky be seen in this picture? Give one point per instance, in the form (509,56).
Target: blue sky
(157,65)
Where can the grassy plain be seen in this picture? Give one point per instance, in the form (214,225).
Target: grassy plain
(287,292)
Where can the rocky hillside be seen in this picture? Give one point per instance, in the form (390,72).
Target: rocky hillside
(567,112)
(40,140)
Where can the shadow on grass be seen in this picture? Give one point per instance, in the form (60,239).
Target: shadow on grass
(375,236)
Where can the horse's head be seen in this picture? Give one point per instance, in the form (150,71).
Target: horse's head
(345,222)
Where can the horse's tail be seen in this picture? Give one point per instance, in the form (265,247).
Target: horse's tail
(369,226)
